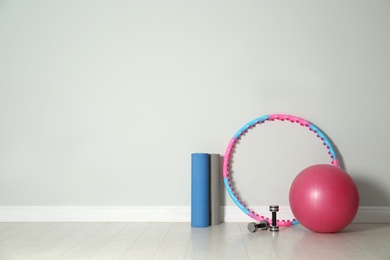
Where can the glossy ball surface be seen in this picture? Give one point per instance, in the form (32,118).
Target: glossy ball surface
(324,198)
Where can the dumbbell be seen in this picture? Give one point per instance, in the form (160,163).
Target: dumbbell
(253,227)
(274,227)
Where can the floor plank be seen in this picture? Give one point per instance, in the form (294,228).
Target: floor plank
(4,225)
(175,243)
(11,230)
(217,242)
(371,241)
(70,240)
(230,242)
(311,245)
(93,242)
(121,242)
(202,244)
(32,246)
(259,245)
(148,243)
(15,242)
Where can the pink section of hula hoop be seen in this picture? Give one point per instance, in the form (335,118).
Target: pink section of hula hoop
(335,163)
(226,157)
(256,217)
(290,118)
(282,223)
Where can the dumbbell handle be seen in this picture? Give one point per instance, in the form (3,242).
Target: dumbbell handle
(273,218)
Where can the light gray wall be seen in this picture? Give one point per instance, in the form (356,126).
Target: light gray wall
(102,102)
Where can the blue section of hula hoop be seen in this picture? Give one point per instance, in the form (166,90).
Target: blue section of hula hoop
(229,190)
(250,124)
(332,152)
(295,222)
(326,141)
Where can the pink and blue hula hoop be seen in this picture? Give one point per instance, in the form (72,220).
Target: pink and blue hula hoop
(237,136)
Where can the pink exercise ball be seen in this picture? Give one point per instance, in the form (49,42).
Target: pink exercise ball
(324,198)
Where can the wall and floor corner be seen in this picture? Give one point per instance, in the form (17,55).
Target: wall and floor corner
(154,214)
(103,102)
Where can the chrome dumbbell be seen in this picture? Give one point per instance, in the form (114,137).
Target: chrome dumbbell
(253,227)
(274,227)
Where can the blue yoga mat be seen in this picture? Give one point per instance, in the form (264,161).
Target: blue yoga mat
(200,190)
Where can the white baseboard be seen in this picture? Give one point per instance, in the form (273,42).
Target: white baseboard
(365,214)
(154,214)
(373,215)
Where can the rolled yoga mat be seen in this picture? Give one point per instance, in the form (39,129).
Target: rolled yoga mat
(214,188)
(200,190)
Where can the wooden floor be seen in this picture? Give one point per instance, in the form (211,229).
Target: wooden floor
(180,241)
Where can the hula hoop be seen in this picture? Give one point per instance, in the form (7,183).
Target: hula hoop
(237,136)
